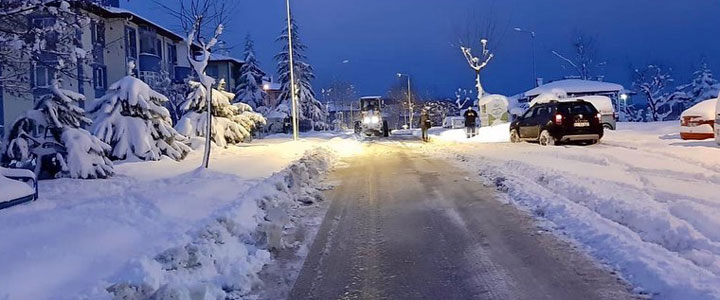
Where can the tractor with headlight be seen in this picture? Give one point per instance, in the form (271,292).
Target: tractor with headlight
(372,121)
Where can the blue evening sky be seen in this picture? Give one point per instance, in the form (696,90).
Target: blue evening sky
(383,37)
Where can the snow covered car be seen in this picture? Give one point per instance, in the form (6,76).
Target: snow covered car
(17,186)
(698,122)
(558,121)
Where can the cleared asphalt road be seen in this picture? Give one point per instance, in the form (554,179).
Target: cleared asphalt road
(403,226)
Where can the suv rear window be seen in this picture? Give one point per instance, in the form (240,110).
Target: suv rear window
(577,108)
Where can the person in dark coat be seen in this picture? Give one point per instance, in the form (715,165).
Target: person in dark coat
(425,125)
(471,122)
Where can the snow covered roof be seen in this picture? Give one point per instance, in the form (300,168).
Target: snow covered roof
(109,11)
(371,97)
(575,86)
(705,110)
(220,57)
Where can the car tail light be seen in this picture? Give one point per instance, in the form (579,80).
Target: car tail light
(558,119)
(599,116)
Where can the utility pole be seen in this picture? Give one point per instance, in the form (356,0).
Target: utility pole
(293,90)
(411,106)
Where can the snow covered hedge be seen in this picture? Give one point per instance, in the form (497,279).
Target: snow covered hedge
(231,123)
(222,260)
(55,128)
(131,118)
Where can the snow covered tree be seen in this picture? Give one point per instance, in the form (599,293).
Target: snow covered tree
(583,64)
(40,33)
(132,119)
(652,82)
(703,85)
(249,90)
(231,123)
(462,98)
(478,63)
(309,108)
(79,154)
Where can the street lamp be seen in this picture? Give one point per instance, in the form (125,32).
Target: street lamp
(293,90)
(624,97)
(410,103)
(532,40)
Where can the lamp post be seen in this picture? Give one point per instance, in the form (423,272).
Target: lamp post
(624,97)
(532,42)
(411,107)
(293,90)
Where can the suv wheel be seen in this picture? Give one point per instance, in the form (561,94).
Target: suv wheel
(546,139)
(514,136)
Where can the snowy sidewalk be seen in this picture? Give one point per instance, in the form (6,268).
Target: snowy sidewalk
(643,201)
(81,236)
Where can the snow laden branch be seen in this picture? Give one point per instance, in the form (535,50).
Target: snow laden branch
(231,123)
(478,63)
(652,82)
(132,119)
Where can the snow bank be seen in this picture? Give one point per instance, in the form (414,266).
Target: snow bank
(223,259)
(643,201)
(490,134)
(83,236)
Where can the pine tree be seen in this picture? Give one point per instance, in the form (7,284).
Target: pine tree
(84,155)
(249,90)
(309,107)
(132,119)
(231,123)
(703,86)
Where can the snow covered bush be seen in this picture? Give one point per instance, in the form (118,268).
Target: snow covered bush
(55,128)
(131,118)
(231,123)
(249,90)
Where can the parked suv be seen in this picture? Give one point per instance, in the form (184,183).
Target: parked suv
(557,122)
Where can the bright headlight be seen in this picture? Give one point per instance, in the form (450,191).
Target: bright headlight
(366,120)
(374,119)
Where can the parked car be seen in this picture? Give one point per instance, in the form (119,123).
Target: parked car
(603,105)
(454,122)
(698,122)
(558,122)
(18,186)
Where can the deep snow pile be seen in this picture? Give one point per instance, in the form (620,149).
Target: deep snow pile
(223,259)
(82,237)
(643,201)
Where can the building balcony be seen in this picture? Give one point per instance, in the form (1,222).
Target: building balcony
(149,63)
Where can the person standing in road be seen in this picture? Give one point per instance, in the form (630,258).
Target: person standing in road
(425,125)
(471,122)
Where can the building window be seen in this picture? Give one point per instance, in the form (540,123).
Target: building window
(99,78)
(97,29)
(171,54)
(131,42)
(43,22)
(212,71)
(42,77)
(149,43)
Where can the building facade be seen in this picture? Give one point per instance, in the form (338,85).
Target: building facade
(114,39)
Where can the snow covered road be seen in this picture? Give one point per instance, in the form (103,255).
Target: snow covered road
(643,201)
(404,226)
